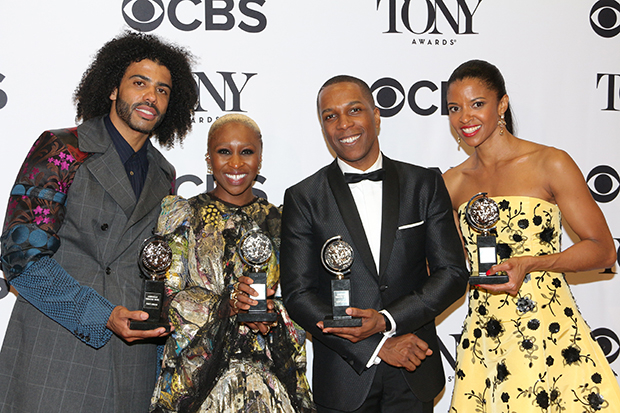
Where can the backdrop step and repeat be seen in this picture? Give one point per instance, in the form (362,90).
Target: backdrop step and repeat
(267,58)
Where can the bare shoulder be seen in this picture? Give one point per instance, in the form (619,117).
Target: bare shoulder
(555,161)
(544,159)
(454,179)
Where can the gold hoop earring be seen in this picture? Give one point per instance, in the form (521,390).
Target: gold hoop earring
(501,123)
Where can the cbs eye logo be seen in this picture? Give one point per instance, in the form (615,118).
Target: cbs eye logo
(604,183)
(4,288)
(143,15)
(605,18)
(3,97)
(608,340)
(389,95)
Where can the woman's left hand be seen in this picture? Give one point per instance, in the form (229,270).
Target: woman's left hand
(516,268)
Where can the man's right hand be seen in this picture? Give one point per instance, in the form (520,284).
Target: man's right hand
(406,351)
(119,324)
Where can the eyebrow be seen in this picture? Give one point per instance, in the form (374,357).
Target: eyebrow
(354,102)
(471,100)
(148,79)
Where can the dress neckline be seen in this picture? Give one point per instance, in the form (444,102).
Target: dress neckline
(230,205)
(509,197)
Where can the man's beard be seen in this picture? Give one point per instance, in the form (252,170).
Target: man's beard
(124,111)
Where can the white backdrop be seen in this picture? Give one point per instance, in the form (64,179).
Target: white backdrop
(268,58)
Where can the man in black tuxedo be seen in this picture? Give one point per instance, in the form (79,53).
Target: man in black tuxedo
(408,263)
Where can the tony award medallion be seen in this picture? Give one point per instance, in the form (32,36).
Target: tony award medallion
(337,257)
(255,249)
(482,213)
(154,260)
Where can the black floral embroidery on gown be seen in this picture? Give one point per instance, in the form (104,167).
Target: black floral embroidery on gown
(532,352)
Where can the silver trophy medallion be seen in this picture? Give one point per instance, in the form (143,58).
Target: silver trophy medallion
(337,258)
(482,214)
(154,260)
(255,249)
(155,257)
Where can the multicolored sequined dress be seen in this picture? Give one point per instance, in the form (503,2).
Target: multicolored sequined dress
(533,352)
(211,362)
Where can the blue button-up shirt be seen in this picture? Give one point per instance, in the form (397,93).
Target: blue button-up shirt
(136,163)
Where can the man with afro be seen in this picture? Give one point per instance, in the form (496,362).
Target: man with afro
(83,202)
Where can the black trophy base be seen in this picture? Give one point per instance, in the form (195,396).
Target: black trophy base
(330,321)
(148,325)
(488,280)
(257,317)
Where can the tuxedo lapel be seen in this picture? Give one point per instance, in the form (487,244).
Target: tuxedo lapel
(350,215)
(390,212)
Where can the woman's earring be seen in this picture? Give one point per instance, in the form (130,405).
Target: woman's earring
(458,139)
(501,123)
(209,169)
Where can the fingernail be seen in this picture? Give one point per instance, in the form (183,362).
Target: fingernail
(488,272)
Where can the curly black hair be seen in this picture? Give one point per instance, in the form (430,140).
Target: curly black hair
(92,96)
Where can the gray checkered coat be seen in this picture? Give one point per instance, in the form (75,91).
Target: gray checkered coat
(43,366)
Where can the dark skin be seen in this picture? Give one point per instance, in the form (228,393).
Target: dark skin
(236,150)
(407,351)
(145,85)
(245,301)
(351,125)
(503,164)
(119,324)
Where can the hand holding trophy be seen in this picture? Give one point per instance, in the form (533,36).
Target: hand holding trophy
(482,214)
(337,257)
(255,249)
(154,260)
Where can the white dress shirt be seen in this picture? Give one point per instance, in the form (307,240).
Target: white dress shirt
(368,197)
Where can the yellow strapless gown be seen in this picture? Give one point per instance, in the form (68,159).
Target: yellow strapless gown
(533,352)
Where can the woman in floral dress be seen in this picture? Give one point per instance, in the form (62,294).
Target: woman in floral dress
(213,363)
(525,347)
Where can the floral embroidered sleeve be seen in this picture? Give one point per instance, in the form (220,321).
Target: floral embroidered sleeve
(29,240)
(37,202)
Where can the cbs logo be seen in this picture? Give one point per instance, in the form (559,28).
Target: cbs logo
(390,97)
(604,183)
(4,288)
(609,342)
(3,97)
(605,18)
(147,15)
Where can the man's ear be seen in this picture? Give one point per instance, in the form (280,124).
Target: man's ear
(377,115)
(114,94)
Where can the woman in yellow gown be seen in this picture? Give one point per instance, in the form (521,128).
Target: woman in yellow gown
(525,347)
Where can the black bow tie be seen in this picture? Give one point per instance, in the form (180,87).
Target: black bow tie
(371,176)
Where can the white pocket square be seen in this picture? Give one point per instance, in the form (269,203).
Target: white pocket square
(415,224)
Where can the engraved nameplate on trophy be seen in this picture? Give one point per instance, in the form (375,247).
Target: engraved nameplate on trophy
(154,260)
(337,257)
(482,214)
(255,249)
